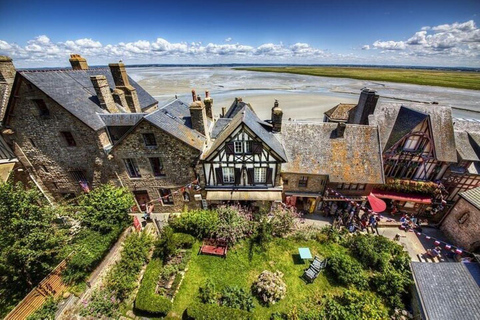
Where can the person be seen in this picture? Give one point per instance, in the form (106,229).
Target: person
(373,223)
(434,252)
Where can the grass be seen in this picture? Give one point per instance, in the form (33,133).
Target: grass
(243,265)
(441,78)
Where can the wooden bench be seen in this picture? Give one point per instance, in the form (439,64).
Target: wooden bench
(214,247)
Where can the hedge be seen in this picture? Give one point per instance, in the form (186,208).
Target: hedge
(183,240)
(147,300)
(199,311)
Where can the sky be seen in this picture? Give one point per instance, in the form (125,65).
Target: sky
(387,32)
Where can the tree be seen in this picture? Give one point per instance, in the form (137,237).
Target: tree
(30,241)
(105,207)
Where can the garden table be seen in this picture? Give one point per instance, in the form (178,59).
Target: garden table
(305,253)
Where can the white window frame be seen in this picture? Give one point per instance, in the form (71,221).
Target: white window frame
(133,163)
(260,175)
(412,143)
(248,146)
(237,146)
(228,174)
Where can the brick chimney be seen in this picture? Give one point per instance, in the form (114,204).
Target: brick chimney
(198,115)
(7,75)
(120,77)
(277,115)
(365,107)
(78,62)
(208,101)
(104,95)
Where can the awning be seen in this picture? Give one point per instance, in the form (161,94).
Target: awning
(377,205)
(245,195)
(402,196)
(5,170)
(347,198)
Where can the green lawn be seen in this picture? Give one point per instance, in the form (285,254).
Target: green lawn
(442,78)
(241,268)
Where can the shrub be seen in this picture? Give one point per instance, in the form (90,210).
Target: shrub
(147,300)
(165,247)
(234,297)
(208,293)
(392,285)
(233,224)
(270,287)
(46,312)
(283,221)
(183,240)
(101,305)
(199,311)
(347,271)
(374,251)
(334,235)
(198,223)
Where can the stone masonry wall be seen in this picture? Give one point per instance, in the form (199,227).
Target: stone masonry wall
(178,161)
(461,225)
(45,147)
(316,183)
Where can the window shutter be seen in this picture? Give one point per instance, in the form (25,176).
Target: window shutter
(238,174)
(257,148)
(219,174)
(250,176)
(269,176)
(229,149)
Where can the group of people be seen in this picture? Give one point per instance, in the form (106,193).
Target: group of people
(351,217)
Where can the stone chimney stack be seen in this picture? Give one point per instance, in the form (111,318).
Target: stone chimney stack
(120,77)
(208,101)
(104,95)
(198,116)
(340,131)
(7,75)
(78,62)
(365,107)
(277,115)
(224,112)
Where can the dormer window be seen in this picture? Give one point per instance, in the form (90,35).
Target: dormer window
(248,147)
(43,111)
(412,143)
(238,146)
(149,139)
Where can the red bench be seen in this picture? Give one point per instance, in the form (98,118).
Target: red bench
(214,247)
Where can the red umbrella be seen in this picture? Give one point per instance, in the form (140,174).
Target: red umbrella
(378,205)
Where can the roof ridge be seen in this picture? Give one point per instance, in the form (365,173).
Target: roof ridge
(59,69)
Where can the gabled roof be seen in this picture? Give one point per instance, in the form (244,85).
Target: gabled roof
(407,120)
(467,138)
(385,117)
(235,108)
(260,128)
(313,148)
(218,126)
(73,90)
(447,291)
(340,111)
(121,119)
(472,196)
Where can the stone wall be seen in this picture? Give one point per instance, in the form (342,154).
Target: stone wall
(315,183)
(179,161)
(461,225)
(41,141)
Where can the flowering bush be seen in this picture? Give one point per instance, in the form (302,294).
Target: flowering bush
(270,287)
(283,221)
(234,224)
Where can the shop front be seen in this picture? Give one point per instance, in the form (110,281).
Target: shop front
(405,202)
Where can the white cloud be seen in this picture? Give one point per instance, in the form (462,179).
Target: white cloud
(389,45)
(366,47)
(228,39)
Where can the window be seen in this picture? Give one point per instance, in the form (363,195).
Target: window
(260,175)
(186,196)
(44,168)
(361,186)
(303,181)
(78,176)
(228,175)
(43,111)
(32,142)
(237,146)
(157,167)
(353,186)
(339,186)
(285,182)
(132,168)
(166,195)
(55,185)
(463,218)
(248,146)
(411,143)
(149,139)
(68,195)
(346,186)
(69,138)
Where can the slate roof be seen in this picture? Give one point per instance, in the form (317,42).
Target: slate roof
(472,196)
(218,126)
(312,148)
(447,291)
(235,108)
(73,90)
(121,119)
(174,118)
(467,138)
(407,119)
(260,128)
(340,111)
(386,117)
(6,154)
(4,95)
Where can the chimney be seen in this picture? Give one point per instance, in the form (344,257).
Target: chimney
(7,75)
(208,101)
(78,62)
(277,115)
(340,131)
(365,107)
(119,98)
(198,116)
(104,95)
(120,77)
(224,112)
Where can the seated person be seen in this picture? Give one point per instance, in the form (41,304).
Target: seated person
(434,252)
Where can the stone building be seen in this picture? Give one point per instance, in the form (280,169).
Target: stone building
(461,225)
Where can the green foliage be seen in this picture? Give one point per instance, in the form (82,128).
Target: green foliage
(147,299)
(165,246)
(233,225)
(374,251)
(199,223)
(392,285)
(46,312)
(30,242)
(183,240)
(102,304)
(263,232)
(105,207)
(235,297)
(283,221)
(199,311)
(208,293)
(333,235)
(122,279)
(347,271)
(90,248)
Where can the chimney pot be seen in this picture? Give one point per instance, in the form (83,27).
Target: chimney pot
(277,115)
(194,96)
(120,78)
(341,129)
(207,94)
(78,62)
